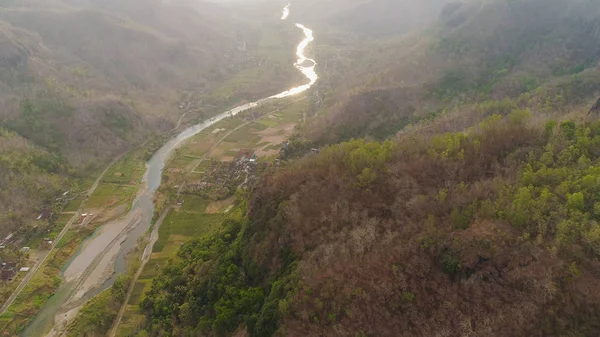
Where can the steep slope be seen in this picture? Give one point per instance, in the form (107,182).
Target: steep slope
(541,54)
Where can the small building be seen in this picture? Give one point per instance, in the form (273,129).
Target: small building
(46,214)
(47,243)
(25,249)
(7,239)
(8,271)
(24,269)
(245,155)
(7,275)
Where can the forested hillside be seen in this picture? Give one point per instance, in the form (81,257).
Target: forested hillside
(101,75)
(370,17)
(29,176)
(490,232)
(84,80)
(536,53)
(456,192)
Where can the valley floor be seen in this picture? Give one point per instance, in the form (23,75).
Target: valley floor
(227,155)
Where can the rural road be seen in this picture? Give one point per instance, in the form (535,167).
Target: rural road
(59,237)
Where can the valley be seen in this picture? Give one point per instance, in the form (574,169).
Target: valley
(314,168)
(123,221)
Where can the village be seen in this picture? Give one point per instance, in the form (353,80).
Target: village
(221,179)
(21,250)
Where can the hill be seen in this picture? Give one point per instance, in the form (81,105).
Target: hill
(86,80)
(30,175)
(479,51)
(370,17)
(471,208)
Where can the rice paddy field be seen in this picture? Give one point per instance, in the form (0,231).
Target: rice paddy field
(120,183)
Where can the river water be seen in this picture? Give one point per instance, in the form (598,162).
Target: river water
(108,248)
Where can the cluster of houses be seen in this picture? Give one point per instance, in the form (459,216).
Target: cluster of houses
(220,176)
(9,269)
(286,148)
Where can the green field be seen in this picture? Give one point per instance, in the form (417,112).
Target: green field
(111,195)
(181,162)
(194,204)
(73,205)
(200,146)
(130,321)
(243,136)
(61,222)
(129,170)
(178,227)
(259,126)
(203,166)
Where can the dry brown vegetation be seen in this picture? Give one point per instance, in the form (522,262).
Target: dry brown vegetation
(393,259)
(457,234)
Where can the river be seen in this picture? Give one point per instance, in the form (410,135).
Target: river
(102,257)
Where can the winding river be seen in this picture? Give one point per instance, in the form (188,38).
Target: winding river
(102,257)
